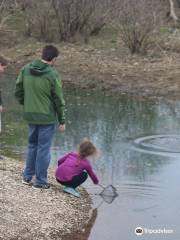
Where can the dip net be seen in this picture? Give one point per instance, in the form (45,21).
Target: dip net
(109,191)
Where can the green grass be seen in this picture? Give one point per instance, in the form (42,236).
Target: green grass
(166,29)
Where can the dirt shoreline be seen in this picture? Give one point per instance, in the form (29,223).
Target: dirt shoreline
(107,69)
(27,213)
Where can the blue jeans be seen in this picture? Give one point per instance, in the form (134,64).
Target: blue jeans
(38,157)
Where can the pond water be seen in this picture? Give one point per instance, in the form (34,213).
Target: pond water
(139,142)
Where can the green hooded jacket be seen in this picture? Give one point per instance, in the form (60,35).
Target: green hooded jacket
(39,90)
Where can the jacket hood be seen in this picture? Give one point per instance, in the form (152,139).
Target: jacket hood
(39,68)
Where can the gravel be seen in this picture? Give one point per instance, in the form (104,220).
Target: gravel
(27,213)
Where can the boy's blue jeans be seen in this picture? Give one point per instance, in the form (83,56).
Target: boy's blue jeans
(38,157)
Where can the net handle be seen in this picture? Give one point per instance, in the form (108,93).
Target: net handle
(101,186)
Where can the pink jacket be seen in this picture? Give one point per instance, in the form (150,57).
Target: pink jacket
(69,166)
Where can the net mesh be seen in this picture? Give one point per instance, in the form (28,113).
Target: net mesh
(108,199)
(109,191)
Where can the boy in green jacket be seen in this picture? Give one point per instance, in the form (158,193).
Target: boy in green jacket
(39,90)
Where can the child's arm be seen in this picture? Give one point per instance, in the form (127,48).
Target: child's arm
(62,159)
(91,173)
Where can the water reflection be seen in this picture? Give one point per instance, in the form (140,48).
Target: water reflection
(85,232)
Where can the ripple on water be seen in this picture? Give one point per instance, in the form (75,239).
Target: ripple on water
(138,190)
(163,145)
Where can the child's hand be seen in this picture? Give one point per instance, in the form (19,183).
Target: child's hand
(62,127)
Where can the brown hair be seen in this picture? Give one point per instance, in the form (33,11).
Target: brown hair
(3,61)
(86,148)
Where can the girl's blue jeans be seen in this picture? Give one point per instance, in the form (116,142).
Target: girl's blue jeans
(38,156)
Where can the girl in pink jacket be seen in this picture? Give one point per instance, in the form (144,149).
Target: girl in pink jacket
(74,168)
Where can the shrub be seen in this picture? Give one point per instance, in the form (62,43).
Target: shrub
(137,20)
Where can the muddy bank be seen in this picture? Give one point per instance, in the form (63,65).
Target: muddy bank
(110,69)
(27,213)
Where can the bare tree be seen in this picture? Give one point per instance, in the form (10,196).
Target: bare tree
(136,20)
(79,17)
(38,22)
(62,20)
(4,14)
(172,13)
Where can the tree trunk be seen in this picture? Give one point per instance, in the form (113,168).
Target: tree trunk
(172,11)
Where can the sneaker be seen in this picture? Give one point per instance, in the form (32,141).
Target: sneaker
(45,186)
(26,181)
(72,191)
(77,191)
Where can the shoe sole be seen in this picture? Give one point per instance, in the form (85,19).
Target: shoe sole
(66,191)
(40,188)
(25,183)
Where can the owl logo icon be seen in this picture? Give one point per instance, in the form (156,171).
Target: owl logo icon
(139,231)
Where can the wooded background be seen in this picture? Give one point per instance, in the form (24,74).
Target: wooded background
(70,20)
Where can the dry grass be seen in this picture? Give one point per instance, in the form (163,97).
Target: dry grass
(105,63)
